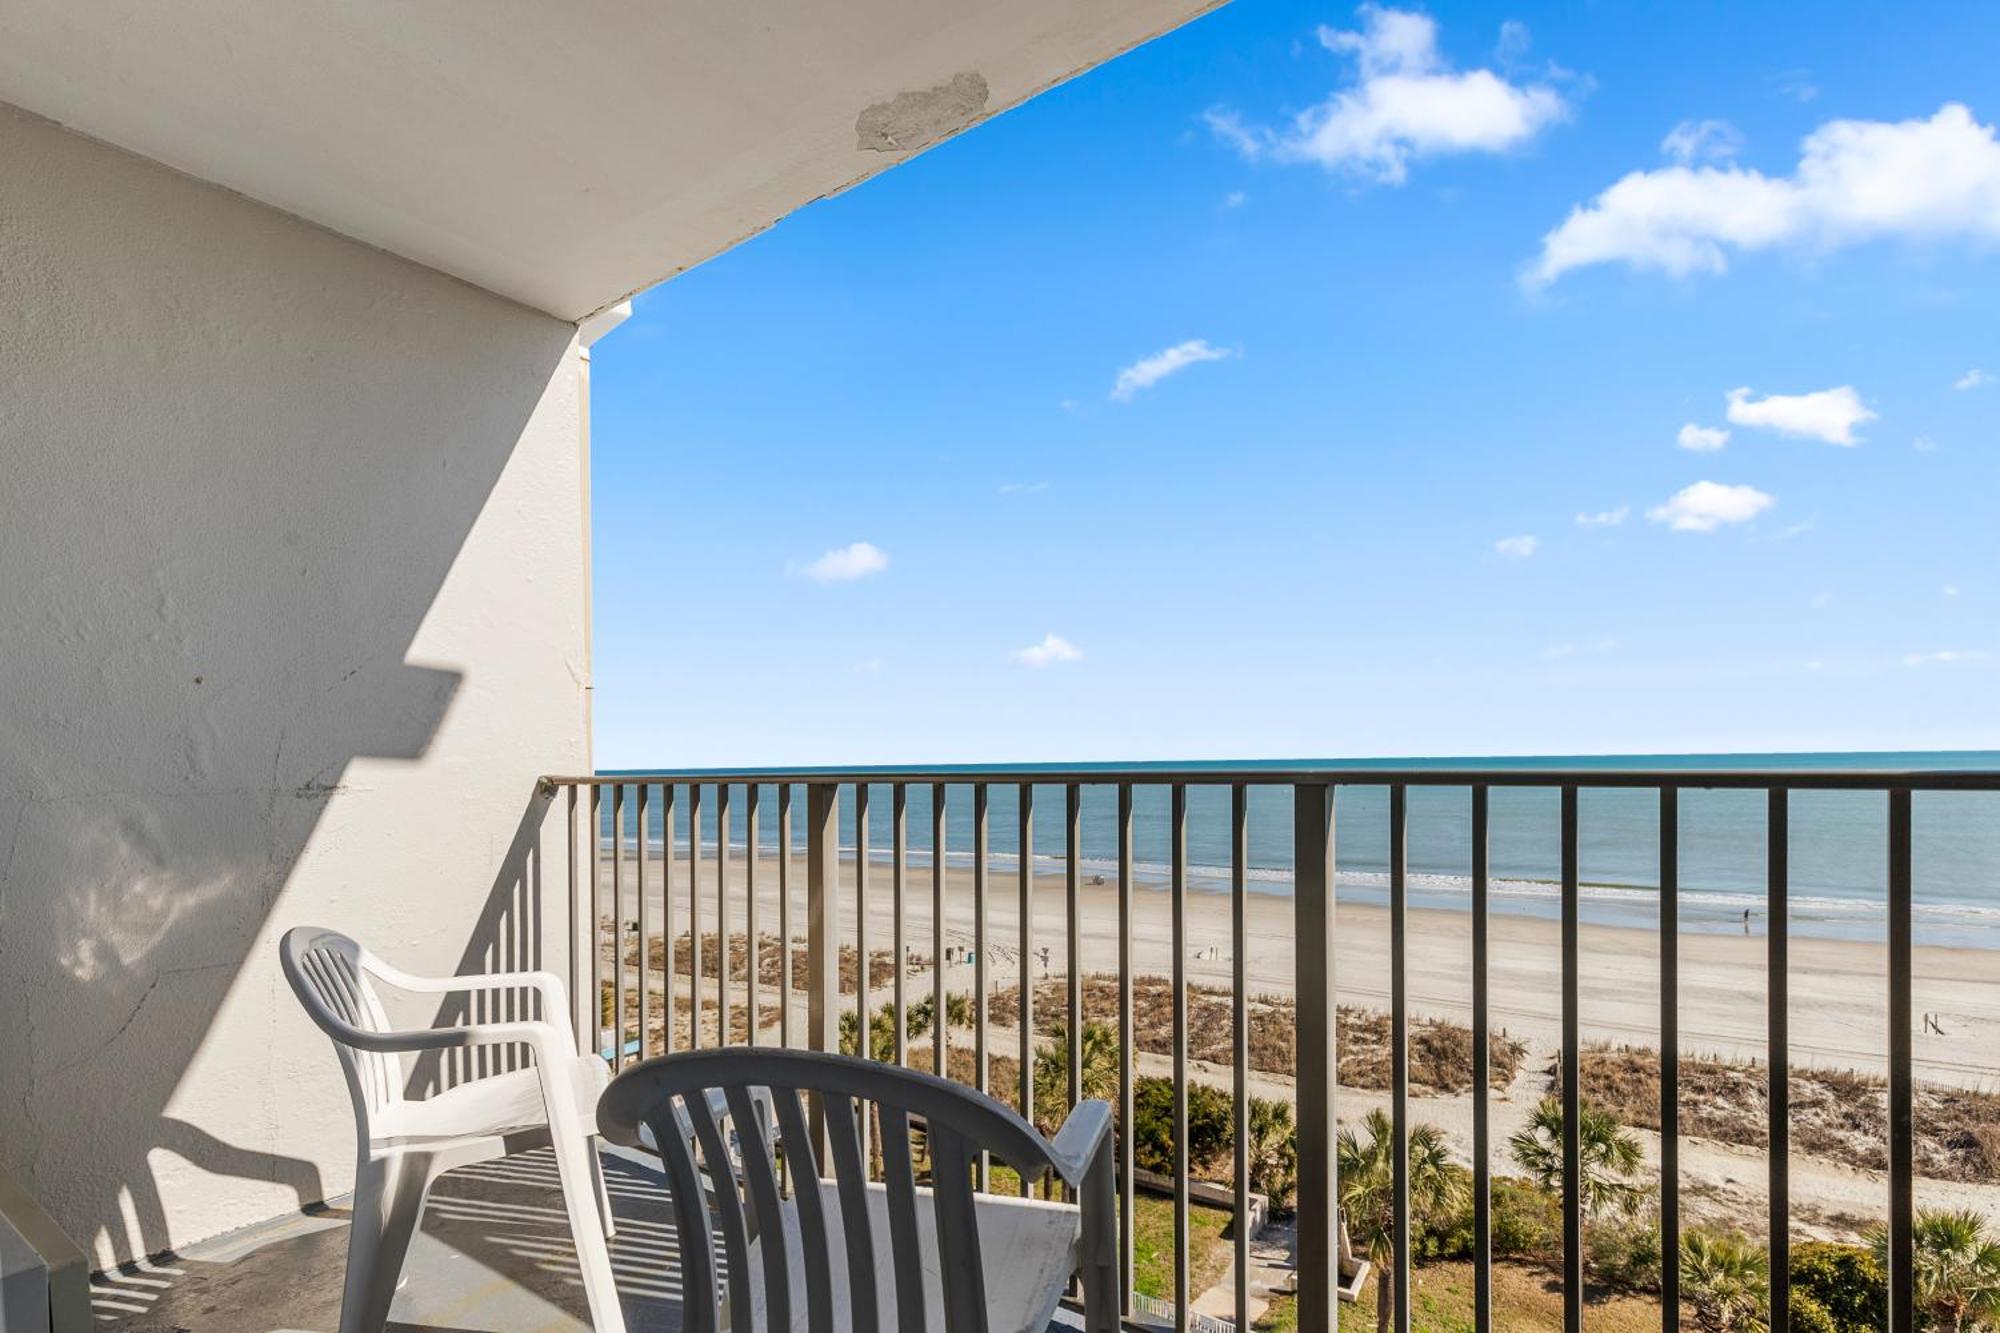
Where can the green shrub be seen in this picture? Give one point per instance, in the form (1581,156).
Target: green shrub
(1809,1316)
(1208,1145)
(1448,1236)
(1624,1252)
(1845,1281)
(1527,1221)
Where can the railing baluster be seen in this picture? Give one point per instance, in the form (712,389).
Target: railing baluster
(1027,942)
(1902,1117)
(1399,1048)
(1127,1233)
(1572,1076)
(823,917)
(979,832)
(785,914)
(1778,1052)
(940,1028)
(1239,960)
(694,916)
(667,1002)
(899,856)
(643,921)
(1178,832)
(1073,928)
(576,931)
(595,1005)
(753,959)
(617,926)
(1482,1071)
(865,1047)
(1319,1184)
(724,1031)
(1670,1059)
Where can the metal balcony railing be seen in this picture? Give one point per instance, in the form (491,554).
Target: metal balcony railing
(691,818)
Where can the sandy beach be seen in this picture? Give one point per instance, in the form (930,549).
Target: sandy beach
(1838,1010)
(1838,1005)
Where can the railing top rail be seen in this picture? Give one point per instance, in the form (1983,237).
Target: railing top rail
(1940,779)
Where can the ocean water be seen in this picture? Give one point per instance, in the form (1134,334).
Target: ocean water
(1838,842)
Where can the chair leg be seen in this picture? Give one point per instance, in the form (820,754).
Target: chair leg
(595,1149)
(388,1206)
(575,1159)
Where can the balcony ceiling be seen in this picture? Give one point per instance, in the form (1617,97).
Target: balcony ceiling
(564,154)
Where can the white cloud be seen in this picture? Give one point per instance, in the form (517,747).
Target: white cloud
(1799,529)
(1605,518)
(1945,658)
(1406,103)
(1796,84)
(844,564)
(868,666)
(1924,444)
(1708,505)
(1856,180)
(1235,199)
(1972,379)
(1950,590)
(1702,140)
(1052,649)
(1702,439)
(1828,414)
(1148,371)
(1518,548)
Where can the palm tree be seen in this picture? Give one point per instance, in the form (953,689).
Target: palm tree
(1727,1281)
(1957,1269)
(881,1034)
(1098,1045)
(1368,1191)
(1610,1154)
(1274,1150)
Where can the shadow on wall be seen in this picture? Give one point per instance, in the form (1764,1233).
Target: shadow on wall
(507,938)
(242,457)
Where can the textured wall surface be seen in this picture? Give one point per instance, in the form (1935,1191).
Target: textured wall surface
(292,614)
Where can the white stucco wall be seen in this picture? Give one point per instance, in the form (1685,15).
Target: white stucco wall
(292,614)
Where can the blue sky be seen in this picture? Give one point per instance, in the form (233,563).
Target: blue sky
(1243,399)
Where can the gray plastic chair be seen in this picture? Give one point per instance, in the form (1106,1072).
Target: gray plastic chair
(852,1254)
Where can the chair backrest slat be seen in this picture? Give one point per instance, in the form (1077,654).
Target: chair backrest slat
(900,1178)
(728,1204)
(326,971)
(760,1176)
(851,1175)
(804,1163)
(697,1241)
(958,1231)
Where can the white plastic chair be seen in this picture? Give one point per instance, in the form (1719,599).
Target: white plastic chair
(403,1145)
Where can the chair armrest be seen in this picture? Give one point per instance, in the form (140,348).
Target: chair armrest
(547,1039)
(548,984)
(1081,1138)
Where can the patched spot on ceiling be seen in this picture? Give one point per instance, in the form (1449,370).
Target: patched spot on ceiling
(909,121)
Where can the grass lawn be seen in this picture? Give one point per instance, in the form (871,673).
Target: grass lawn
(1525,1300)
(1153,1239)
(1153,1246)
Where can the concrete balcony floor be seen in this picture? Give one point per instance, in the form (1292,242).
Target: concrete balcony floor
(494,1256)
